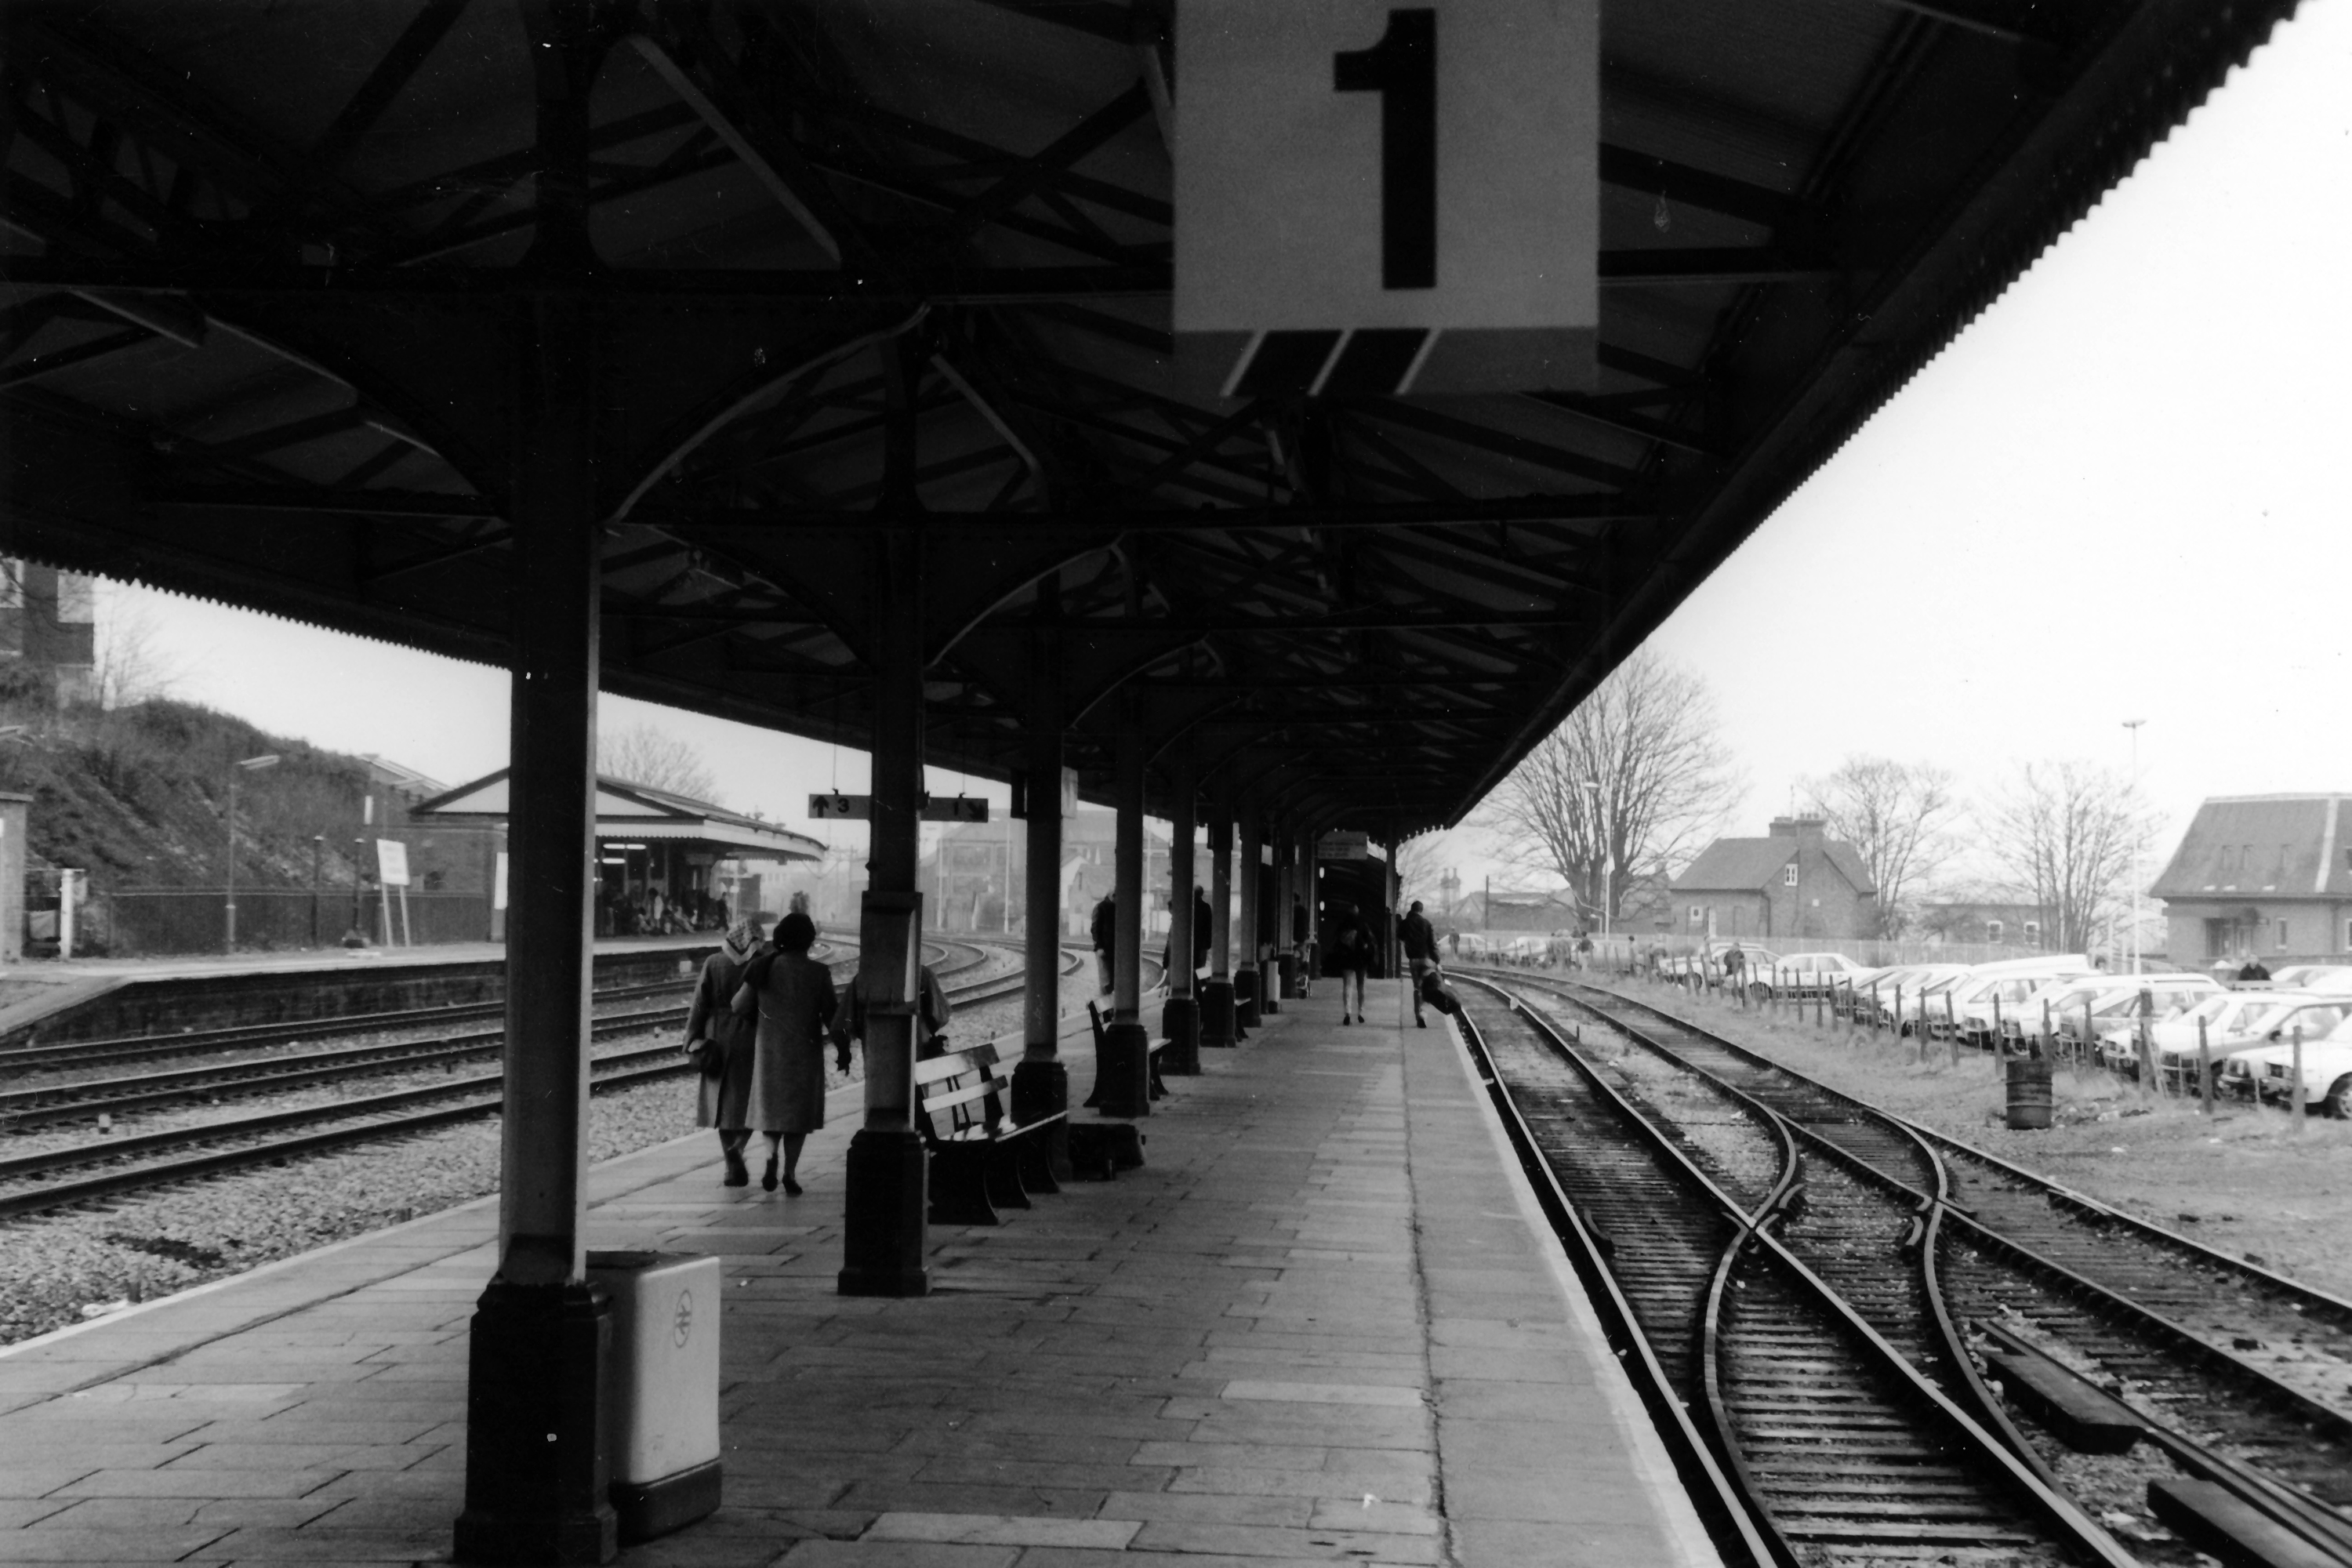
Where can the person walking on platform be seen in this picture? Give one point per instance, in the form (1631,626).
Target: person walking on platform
(1298,945)
(1104,929)
(1202,917)
(713,1028)
(793,998)
(1420,942)
(1350,948)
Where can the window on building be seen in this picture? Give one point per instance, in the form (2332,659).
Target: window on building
(1789,875)
(2032,931)
(1695,917)
(1992,930)
(76,598)
(2281,936)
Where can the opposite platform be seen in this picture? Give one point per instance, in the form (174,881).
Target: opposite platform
(1322,1323)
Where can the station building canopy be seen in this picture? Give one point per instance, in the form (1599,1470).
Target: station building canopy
(638,814)
(856,268)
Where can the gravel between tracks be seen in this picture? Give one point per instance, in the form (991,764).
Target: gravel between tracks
(155,1243)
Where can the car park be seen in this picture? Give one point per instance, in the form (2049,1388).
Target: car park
(2225,1025)
(1900,1006)
(2114,1014)
(2032,1027)
(1967,1005)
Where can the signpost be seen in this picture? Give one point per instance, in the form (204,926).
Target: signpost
(391,871)
(1374,199)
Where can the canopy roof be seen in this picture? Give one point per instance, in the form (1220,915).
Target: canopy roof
(628,812)
(908,266)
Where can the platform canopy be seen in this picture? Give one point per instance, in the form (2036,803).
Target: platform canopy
(640,813)
(909,266)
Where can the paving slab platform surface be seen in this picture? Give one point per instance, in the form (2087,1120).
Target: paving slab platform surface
(1323,1323)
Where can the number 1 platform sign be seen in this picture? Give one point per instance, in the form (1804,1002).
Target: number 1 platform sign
(1373,198)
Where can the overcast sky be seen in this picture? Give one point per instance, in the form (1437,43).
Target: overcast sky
(2120,494)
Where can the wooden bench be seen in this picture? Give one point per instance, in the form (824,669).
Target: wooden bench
(979,1163)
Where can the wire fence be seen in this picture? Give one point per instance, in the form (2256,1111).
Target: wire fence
(158,922)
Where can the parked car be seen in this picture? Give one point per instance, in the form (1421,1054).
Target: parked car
(2238,1023)
(2115,1015)
(1804,976)
(2313,977)
(2326,1070)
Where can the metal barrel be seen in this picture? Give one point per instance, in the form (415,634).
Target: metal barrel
(2029,1092)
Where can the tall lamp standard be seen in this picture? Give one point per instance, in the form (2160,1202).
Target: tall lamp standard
(248,766)
(2133,725)
(1601,822)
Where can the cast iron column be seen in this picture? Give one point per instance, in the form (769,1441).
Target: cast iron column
(1217,991)
(536,1470)
(1245,942)
(882,1228)
(1179,1021)
(1276,907)
(1123,1078)
(1041,1084)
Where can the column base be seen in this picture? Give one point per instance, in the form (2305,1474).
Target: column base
(1123,1085)
(1216,1014)
(1246,1009)
(535,1472)
(1179,1024)
(1041,1087)
(882,1231)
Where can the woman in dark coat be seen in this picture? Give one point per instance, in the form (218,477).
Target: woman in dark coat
(727,1098)
(793,996)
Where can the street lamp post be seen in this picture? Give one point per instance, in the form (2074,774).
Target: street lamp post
(2133,725)
(246,765)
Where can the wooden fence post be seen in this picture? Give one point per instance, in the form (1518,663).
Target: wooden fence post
(2204,1070)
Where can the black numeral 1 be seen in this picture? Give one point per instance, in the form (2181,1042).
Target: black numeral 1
(1402,68)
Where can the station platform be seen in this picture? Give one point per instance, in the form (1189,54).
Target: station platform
(1324,1322)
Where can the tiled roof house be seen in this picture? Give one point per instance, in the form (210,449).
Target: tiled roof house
(2267,874)
(1793,884)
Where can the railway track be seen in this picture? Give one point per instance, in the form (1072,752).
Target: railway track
(52,1179)
(1808,1435)
(1883,1216)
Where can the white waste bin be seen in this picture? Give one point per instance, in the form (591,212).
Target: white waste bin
(660,1421)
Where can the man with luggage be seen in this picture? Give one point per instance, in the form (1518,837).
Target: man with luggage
(1421,951)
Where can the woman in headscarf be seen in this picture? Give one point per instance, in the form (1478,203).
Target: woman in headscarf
(792,995)
(726,1098)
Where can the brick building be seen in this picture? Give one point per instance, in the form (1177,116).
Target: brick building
(1790,885)
(2268,875)
(48,631)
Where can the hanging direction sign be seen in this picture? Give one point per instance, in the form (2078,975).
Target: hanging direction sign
(860,808)
(1374,199)
(1344,846)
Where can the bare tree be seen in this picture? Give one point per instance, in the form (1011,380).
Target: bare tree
(2067,834)
(1646,738)
(131,666)
(645,755)
(1897,815)
(1420,864)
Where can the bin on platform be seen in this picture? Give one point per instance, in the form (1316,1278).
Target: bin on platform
(660,1424)
(2029,1093)
(1289,966)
